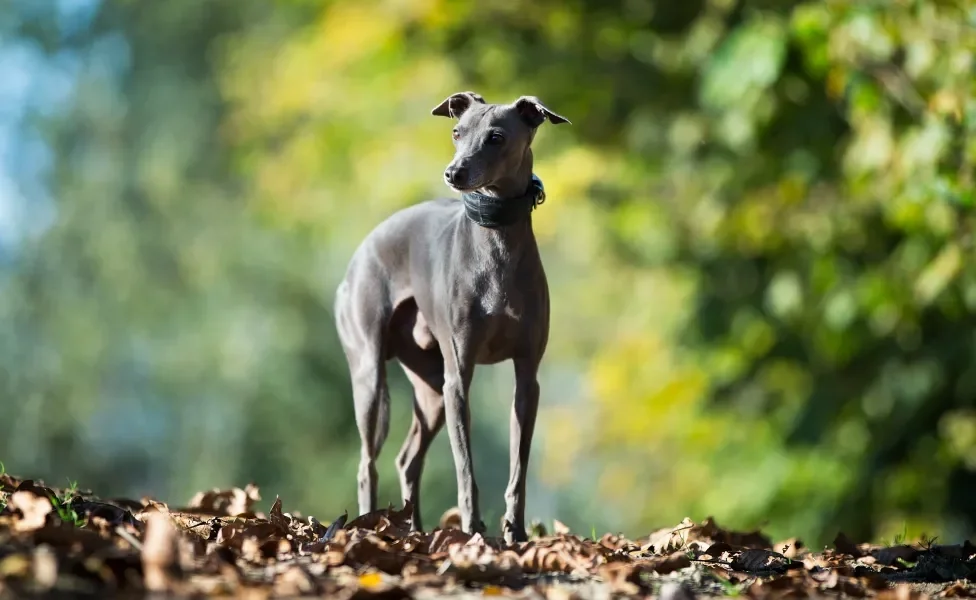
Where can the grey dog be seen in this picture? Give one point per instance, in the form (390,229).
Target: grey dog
(444,285)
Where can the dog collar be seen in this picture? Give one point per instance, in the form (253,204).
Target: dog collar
(492,212)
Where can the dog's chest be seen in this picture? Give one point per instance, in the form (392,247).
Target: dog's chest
(503,304)
(497,294)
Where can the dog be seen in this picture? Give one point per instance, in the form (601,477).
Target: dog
(443,286)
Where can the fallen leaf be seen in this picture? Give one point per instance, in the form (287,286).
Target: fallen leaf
(791,548)
(957,590)
(623,578)
(371,579)
(537,529)
(847,586)
(451,519)
(15,565)
(334,526)
(894,555)
(159,553)
(617,542)
(669,538)
(233,502)
(757,560)
(45,567)
(844,545)
(33,510)
(718,551)
(673,590)
(443,539)
(400,518)
(295,581)
(371,551)
(663,565)
(277,519)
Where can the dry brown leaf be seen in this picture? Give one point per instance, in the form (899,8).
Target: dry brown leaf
(559,528)
(844,545)
(451,519)
(443,539)
(371,551)
(843,584)
(901,591)
(233,502)
(400,518)
(8,483)
(45,567)
(479,563)
(669,538)
(159,553)
(617,542)
(719,551)
(709,531)
(667,564)
(422,574)
(796,585)
(15,565)
(29,485)
(389,529)
(560,592)
(674,590)
(757,560)
(957,590)
(30,508)
(895,555)
(540,559)
(295,581)
(791,548)
(277,518)
(623,578)
(688,534)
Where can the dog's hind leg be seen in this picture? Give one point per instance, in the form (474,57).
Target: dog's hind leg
(362,340)
(422,363)
(373,420)
(428,419)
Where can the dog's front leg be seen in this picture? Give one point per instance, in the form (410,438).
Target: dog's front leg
(524,410)
(458,371)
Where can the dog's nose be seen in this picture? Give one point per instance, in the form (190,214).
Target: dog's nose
(456,175)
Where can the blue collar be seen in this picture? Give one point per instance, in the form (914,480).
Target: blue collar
(492,212)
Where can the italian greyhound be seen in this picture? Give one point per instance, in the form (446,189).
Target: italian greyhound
(444,285)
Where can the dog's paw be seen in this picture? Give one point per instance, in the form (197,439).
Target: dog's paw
(479,527)
(512,533)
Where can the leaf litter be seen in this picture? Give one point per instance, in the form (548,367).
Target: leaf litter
(222,544)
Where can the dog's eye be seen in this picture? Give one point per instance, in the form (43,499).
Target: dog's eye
(456,134)
(496,138)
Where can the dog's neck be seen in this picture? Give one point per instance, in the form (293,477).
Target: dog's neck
(507,204)
(513,185)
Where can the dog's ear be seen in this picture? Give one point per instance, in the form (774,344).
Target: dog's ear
(456,104)
(534,112)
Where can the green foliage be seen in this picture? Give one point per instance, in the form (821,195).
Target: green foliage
(63,506)
(757,237)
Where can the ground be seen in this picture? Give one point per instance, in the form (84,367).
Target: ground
(56,541)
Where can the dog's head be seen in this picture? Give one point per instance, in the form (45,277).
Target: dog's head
(491,140)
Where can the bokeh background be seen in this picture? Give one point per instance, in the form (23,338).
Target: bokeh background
(758,236)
